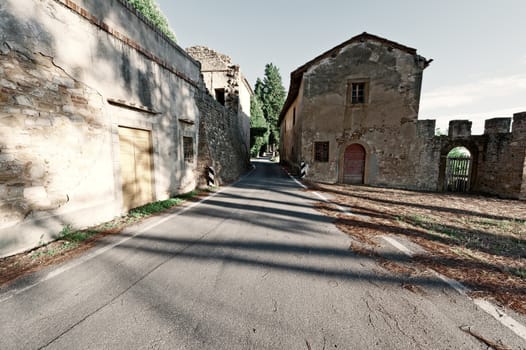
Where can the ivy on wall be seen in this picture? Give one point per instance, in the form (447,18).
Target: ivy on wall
(150,10)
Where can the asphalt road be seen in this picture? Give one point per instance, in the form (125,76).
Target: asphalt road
(254,267)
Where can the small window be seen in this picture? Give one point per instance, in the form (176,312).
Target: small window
(357,93)
(188,149)
(321,151)
(220,96)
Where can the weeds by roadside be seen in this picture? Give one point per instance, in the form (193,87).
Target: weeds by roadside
(72,241)
(476,240)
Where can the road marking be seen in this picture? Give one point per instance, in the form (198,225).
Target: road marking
(322,197)
(501,316)
(8,295)
(296,181)
(398,245)
(483,304)
(11,293)
(456,285)
(340,208)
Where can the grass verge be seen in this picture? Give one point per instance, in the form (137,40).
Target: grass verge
(71,241)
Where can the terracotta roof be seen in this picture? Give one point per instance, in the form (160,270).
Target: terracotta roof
(297,75)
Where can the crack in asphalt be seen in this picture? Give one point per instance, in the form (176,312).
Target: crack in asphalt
(134,283)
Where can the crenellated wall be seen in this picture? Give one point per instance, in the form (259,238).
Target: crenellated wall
(352,116)
(498,156)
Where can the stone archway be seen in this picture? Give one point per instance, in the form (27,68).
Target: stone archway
(458,170)
(354,164)
(457,174)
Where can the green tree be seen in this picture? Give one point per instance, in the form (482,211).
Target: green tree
(150,10)
(259,130)
(271,93)
(459,152)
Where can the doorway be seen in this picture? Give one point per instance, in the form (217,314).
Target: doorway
(136,167)
(354,164)
(458,170)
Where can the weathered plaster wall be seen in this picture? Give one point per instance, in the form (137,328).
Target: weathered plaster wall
(382,125)
(59,154)
(290,130)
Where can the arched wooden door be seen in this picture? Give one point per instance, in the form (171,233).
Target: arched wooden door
(354,164)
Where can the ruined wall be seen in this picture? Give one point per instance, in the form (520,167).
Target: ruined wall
(382,125)
(72,73)
(219,72)
(498,156)
(221,144)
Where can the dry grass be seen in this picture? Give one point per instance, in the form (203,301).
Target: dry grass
(476,240)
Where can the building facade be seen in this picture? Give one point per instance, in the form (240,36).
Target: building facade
(351,116)
(99,113)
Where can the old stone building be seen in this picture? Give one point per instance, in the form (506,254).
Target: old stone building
(351,116)
(225,81)
(99,113)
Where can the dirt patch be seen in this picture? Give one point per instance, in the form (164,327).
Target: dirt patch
(476,240)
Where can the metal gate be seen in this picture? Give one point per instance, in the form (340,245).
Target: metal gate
(354,164)
(458,173)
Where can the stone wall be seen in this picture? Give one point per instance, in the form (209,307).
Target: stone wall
(72,74)
(219,72)
(400,150)
(221,144)
(382,125)
(498,156)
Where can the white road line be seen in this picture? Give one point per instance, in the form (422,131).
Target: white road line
(8,295)
(501,316)
(483,304)
(296,181)
(398,245)
(456,285)
(340,208)
(322,197)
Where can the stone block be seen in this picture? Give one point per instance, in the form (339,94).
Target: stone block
(24,100)
(497,126)
(69,109)
(64,81)
(426,128)
(51,86)
(38,121)
(460,128)
(519,126)
(38,93)
(30,112)
(7,84)
(12,110)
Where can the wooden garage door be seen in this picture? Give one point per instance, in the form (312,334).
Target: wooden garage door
(136,167)
(354,164)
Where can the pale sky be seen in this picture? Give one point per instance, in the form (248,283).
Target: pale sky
(478,46)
